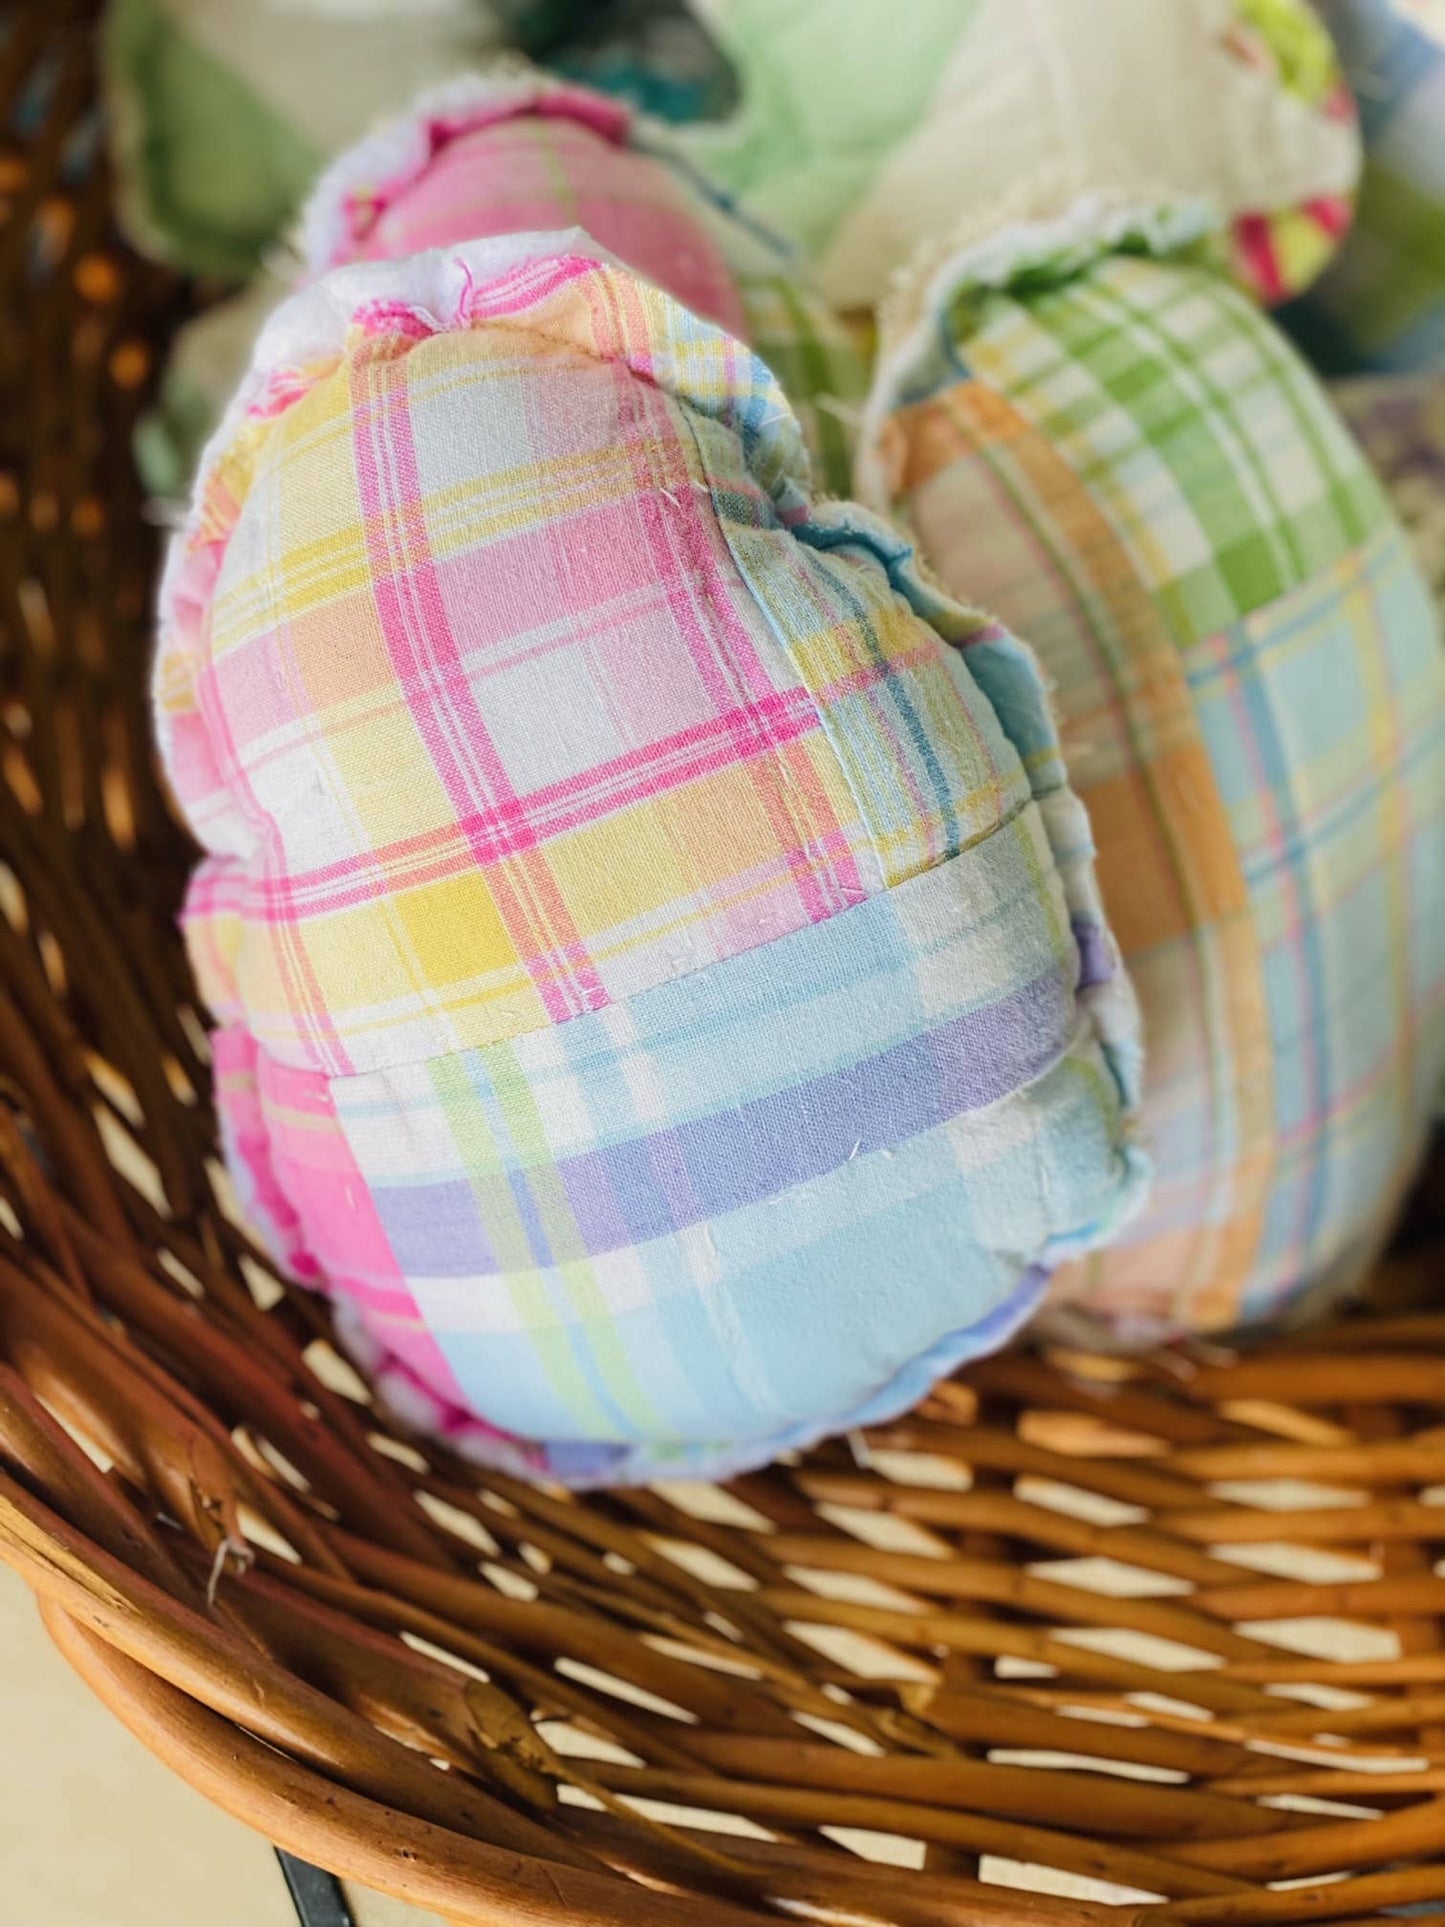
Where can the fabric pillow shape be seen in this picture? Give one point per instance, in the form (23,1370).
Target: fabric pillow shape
(662,990)
(513,150)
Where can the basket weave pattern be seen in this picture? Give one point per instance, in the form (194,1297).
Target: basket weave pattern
(1170,1627)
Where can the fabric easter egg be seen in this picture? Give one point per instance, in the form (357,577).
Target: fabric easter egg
(1125,460)
(866,139)
(662,990)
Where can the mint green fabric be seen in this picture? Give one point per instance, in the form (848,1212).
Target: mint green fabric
(210,174)
(820,109)
(872,136)
(222,112)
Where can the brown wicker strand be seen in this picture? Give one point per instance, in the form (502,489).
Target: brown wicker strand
(1082,1639)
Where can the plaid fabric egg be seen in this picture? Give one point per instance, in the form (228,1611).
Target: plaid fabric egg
(662,990)
(1124,459)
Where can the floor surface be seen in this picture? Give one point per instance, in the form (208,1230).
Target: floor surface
(94,1832)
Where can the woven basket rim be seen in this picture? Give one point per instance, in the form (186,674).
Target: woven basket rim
(1037,1642)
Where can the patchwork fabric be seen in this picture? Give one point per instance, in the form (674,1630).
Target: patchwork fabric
(287,1144)
(870,146)
(621,1227)
(1135,471)
(430,500)
(666,907)
(1382,304)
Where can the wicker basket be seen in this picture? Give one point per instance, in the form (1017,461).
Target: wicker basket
(1041,1640)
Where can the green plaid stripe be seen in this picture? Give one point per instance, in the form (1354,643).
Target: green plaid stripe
(1191,420)
(818,365)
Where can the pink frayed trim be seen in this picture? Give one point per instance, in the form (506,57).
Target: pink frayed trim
(394,318)
(284,389)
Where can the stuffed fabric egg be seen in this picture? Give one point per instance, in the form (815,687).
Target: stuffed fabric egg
(1091,426)
(514,151)
(661,987)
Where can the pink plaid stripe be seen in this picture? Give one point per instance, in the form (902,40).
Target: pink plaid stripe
(527,157)
(641,731)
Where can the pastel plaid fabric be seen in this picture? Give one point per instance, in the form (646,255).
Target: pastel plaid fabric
(749,1201)
(1382,303)
(517,152)
(664,989)
(1135,471)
